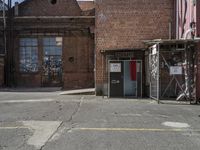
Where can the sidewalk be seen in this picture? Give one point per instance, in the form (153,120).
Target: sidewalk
(40,89)
(90,91)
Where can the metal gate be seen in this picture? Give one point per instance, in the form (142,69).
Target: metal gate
(172,71)
(52,70)
(154,72)
(52,61)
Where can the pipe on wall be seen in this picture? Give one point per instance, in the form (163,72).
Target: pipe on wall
(177,19)
(4,26)
(170,30)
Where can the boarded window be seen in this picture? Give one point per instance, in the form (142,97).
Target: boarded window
(28,55)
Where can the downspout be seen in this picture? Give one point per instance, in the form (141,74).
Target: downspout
(177,19)
(4,26)
(170,30)
(4,39)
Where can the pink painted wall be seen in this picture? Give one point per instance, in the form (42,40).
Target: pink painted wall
(198,18)
(186,14)
(188,11)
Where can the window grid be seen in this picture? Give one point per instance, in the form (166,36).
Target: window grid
(28,55)
(52,46)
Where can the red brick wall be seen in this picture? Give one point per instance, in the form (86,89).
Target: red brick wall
(186,14)
(124,24)
(45,8)
(78,73)
(78,42)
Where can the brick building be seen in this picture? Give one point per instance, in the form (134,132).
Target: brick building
(53,44)
(121,28)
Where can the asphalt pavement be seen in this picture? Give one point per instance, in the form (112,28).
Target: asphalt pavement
(50,121)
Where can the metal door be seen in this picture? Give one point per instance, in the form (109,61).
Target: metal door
(116,69)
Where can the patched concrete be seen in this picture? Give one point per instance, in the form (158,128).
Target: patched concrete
(42,131)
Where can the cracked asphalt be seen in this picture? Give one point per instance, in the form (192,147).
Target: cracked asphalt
(84,122)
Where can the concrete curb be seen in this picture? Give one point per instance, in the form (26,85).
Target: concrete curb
(79,92)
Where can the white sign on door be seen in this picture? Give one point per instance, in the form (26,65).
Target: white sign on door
(115,67)
(176,70)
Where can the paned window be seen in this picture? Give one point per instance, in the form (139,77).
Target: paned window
(52,46)
(28,55)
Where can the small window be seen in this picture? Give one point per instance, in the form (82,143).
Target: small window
(53,2)
(28,55)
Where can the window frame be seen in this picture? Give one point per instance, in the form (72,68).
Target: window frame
(52,45)
(21,55)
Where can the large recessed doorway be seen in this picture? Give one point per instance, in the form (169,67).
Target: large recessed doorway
(52,61)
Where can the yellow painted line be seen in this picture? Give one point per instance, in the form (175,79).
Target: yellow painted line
(117,129)
(133,129)
(18,127)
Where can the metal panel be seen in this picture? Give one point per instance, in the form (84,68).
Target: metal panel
(116,70)
(130,87)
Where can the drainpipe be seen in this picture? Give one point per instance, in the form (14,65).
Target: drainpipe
(170,30)
(4,26)
(16,9)
(177,16)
